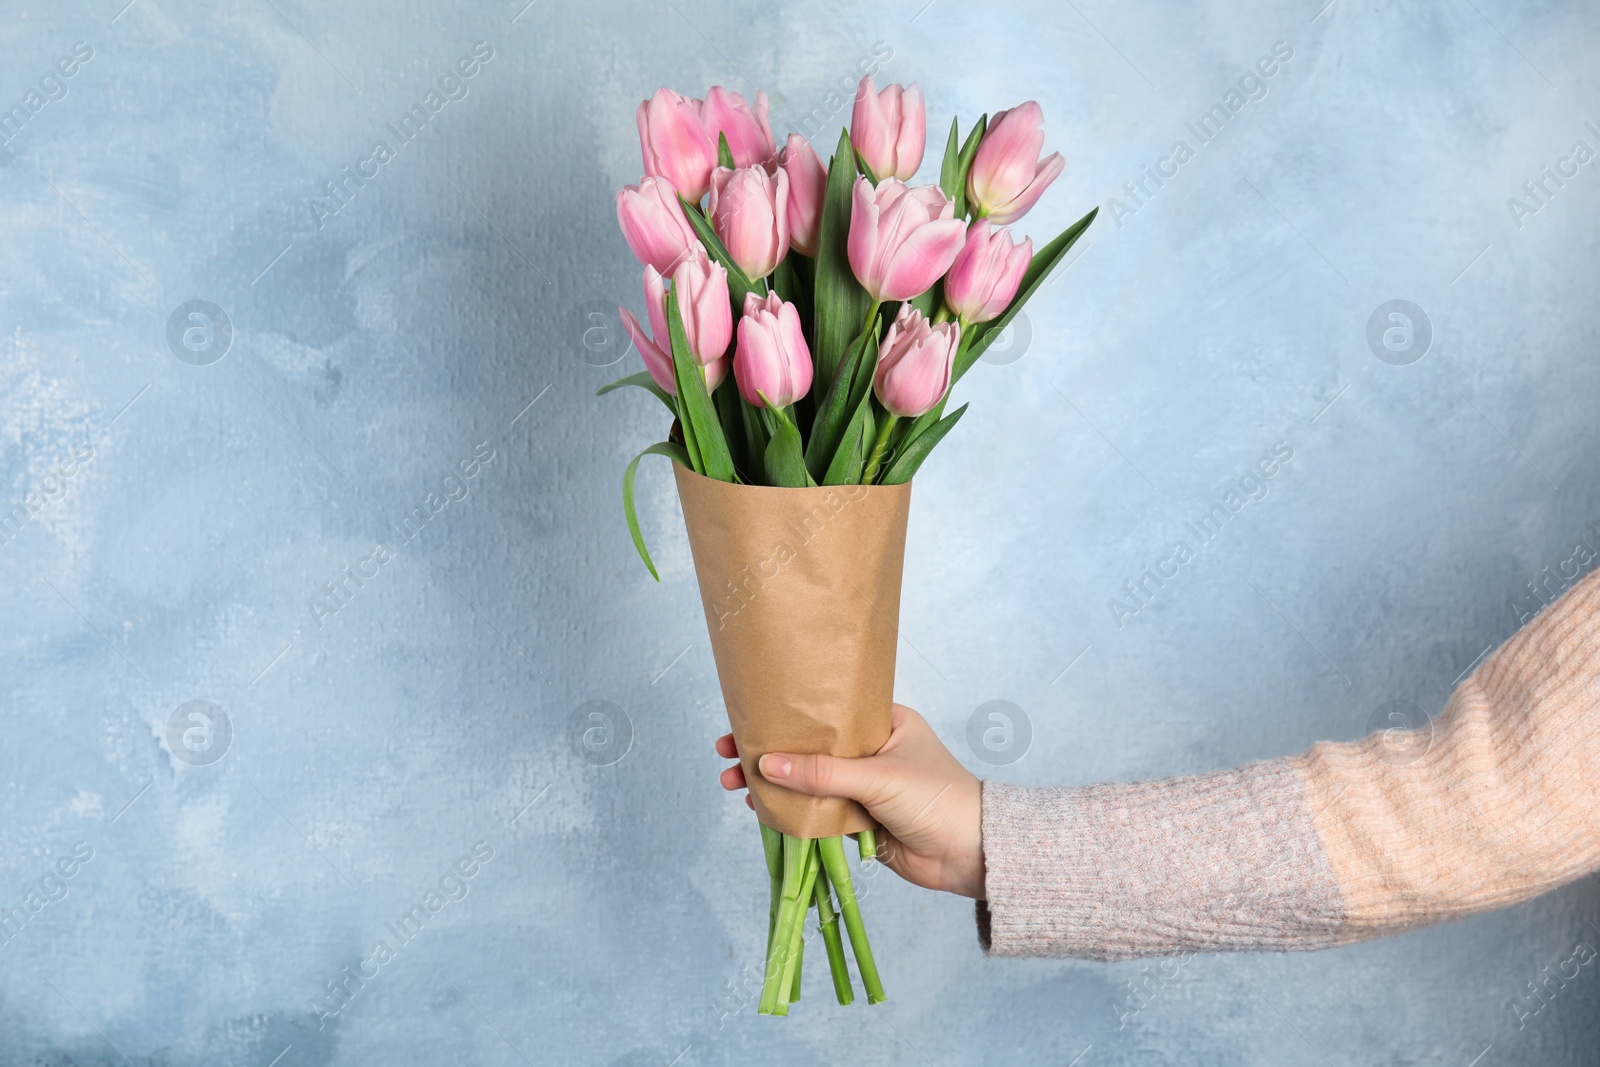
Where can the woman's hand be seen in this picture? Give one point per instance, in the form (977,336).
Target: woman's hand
(930,806)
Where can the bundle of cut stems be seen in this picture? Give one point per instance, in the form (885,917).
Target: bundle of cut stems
(811,873)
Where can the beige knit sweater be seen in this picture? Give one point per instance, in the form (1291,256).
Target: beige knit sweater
(1497,802)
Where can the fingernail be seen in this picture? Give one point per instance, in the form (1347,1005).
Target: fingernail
(775,766)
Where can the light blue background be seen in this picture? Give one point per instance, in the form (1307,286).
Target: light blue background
(480,271)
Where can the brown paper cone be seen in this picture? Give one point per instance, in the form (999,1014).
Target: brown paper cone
(801,589)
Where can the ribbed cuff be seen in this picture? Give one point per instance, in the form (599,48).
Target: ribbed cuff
(1216,862)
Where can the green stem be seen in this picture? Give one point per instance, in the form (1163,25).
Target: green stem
(795,944)
(798,949)
(794,863)
(870,472)
(828,923)
(944,314)
(872,314)
(832,849)
(867,842)
(772,844)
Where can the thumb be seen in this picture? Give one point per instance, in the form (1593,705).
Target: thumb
(861,780)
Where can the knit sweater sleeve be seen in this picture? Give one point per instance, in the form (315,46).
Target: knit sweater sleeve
(1496,802)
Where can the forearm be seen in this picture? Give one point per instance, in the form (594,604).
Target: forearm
(1216,862)
(1497,802)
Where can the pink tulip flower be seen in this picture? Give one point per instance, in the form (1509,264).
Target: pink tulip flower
(678,136)
(1007,176)
(772,358)
(701,291)
(749,210)
(808,185)
(914,363)
(901,240)
(889,129)
(656,360)
(674,142)
(985,276)
(749,136)
(654,225)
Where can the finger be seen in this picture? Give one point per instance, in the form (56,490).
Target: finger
(727,748)
(826,776)
(749,803)
(733,778)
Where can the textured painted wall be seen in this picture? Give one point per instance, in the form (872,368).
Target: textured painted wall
(394,382)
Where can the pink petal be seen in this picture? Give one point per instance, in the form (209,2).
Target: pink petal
(655,304)
(1048,170)
(913,133)
(923,257)
(657,362)
(862,244)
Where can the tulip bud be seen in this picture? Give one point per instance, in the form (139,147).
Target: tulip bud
(656,351)
(889,129)
(749,136)
(1007,176)
(654,225)
(987,271)
(901,240)
(808,185)
(772,359)
(701,289)
(749,210)
(675,144)
(914,363)
(656,361)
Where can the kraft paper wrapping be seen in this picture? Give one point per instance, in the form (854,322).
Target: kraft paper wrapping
(801,589)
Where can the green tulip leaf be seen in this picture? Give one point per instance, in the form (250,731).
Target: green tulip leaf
(865,169)
(746,460)
(919,425)
(785,464)
(852,454)
(916,450)
(928,302)
(643,381)
(1043,262)
(739,283)
(724,153)
(702,431)
(950,182)
(840,304)
(662,448)
(964,165)
(836,414)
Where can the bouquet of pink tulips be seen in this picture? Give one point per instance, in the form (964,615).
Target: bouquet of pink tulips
(859,302)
